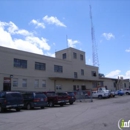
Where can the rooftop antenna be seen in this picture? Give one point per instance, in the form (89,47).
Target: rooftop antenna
(67,41)
(94,45)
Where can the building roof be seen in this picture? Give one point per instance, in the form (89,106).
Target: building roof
(74,79)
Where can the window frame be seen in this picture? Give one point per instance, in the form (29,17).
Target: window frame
(94,74)
(36,83)
(58,68)
(64,56)
(82,72)
(20,63)
(40,66)
(75,75)
(15,79)
(81,57)
(44,83)
(74,55)
(24,83)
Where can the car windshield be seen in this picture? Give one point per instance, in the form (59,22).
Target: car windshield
(39,95)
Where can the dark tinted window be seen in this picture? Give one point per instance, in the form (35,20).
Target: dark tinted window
(58,68)
(63,94)
(20,63)
(13,95)
(2,95)
(40,66)
(51,94)
(39,95)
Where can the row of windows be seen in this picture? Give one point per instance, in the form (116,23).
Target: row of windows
(24,83)
(42,66)
(82,73)
(64,56)
(38,66)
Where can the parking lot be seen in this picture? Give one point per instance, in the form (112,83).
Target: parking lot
(100,114)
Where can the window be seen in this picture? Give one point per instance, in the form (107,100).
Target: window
(40,66)
(82,72)
(58,87)
(81,57)
(75,75)
(64,56)
(20,63)
(43,83)
(58,68)
(94,73)
(15,82)
(83,87)
(36,83)
(74,87)
(125,85)
(24,83)
(74,55)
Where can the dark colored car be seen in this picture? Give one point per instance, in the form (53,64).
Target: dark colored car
(54,99)
(11,100)
(34,99)
(64,95)
(72,97)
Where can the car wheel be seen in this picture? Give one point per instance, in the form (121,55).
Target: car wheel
(28,106)
(127,93)
(61,104)
(1,109)
(18,109)
(71,103)
(100,96)
(42,107)
(51,104)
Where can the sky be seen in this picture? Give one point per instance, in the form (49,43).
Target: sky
(46,26)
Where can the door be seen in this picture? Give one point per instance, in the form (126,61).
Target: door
(7,84)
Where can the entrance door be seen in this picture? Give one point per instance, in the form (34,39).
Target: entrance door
(7,84)
(83,87)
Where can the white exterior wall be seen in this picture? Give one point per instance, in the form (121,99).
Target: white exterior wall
(65,79)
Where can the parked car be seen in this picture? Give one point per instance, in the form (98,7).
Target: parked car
(71,97)
(120,92)
(34,99)
(101,94)
(11,100)
(65,96)
(54,99)
(112,93)
(127,91)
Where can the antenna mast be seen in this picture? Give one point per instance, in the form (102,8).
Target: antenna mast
(94,45)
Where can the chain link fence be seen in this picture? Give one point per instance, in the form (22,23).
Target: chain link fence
(84,95)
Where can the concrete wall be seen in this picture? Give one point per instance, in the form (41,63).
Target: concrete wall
(30,74)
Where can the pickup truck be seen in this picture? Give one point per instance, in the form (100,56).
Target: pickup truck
(127,91)
(101,94)
(55,99)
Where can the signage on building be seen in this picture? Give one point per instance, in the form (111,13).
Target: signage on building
(7,80)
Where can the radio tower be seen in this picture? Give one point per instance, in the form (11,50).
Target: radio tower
(94,45)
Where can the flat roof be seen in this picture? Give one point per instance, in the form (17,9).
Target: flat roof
(65,78)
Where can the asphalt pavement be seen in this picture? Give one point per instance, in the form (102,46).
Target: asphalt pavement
(101,114)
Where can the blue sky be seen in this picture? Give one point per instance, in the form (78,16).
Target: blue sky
(41,26)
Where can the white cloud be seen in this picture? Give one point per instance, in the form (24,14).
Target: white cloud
(53,20)
(13,29)
(41,43)
(72,43)
(37,23)
(116,73)
(128,50)
(50,54)
(29,43)
(108,36)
